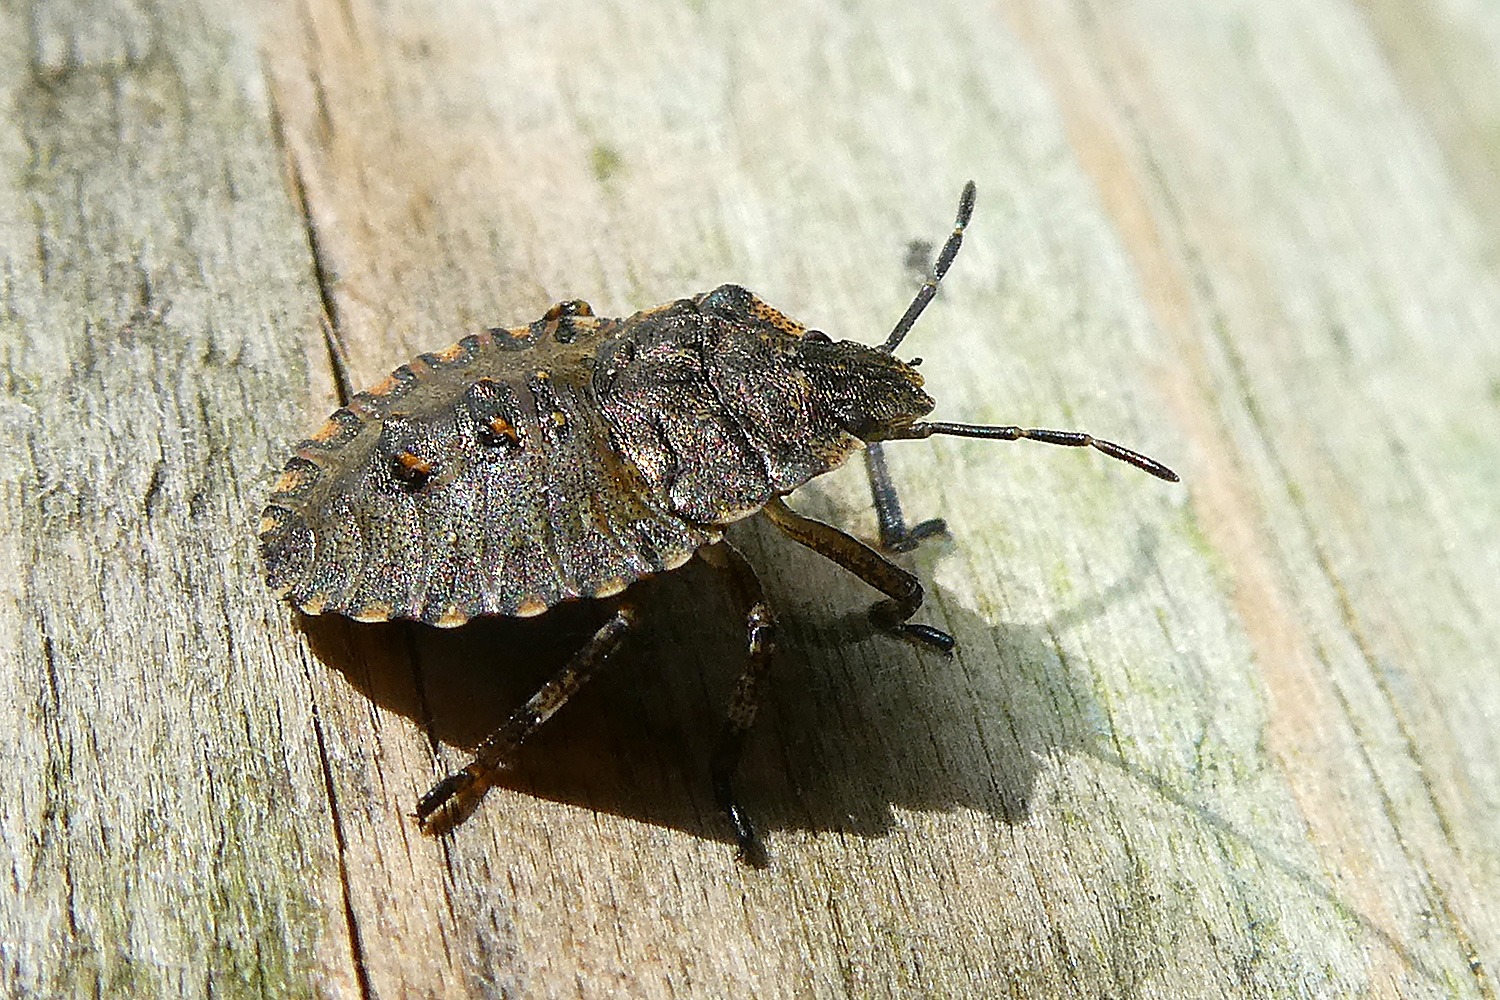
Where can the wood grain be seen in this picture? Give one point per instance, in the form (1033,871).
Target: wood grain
(1239,737)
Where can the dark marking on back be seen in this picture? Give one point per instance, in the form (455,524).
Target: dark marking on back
(492,410)
(400,446)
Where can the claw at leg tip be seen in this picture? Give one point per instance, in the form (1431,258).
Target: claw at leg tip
(753,854)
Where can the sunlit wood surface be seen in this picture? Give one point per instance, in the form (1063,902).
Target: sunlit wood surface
(1238,737)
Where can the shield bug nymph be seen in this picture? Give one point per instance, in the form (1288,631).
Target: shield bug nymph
(574,456)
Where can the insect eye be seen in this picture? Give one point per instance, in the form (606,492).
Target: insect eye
(817,335)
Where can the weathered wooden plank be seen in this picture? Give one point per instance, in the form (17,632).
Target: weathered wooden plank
(1234,738)
(165,822)
(1342,287)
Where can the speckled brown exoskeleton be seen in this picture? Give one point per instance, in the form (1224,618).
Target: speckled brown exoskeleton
(572,457)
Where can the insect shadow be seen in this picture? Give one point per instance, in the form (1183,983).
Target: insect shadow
(854,723)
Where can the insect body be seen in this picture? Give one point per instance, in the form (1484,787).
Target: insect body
(572,457)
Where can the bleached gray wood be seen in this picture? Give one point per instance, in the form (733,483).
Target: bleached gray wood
(1237,737)
(164,820)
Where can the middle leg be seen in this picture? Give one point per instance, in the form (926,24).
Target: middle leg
(760,635)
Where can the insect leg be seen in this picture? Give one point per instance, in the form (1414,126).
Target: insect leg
(760,634)
(451,800)
(895,536)
(903,590)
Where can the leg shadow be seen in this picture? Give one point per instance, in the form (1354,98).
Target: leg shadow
(854,722)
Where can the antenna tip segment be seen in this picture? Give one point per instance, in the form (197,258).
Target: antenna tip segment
(966,203)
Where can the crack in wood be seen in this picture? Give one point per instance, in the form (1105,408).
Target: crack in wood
(323,274)
(356,944)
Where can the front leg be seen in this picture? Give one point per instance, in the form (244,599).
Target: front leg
(895,536)
(904,591)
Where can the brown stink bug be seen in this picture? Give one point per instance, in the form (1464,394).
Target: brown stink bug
(570,458)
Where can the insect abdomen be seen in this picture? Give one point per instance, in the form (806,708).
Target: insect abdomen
(480,482)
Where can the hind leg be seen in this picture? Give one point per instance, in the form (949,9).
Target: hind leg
(451,800)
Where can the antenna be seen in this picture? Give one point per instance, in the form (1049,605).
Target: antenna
(926,429)
(944,261)
(1071,439)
